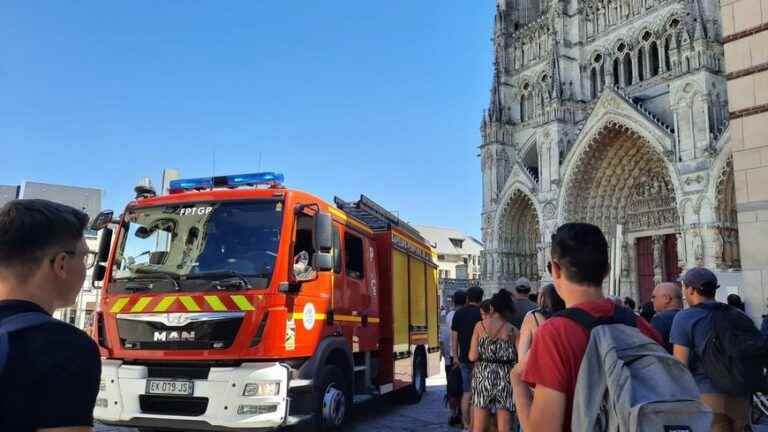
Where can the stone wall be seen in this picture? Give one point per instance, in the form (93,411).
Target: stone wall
(745,35)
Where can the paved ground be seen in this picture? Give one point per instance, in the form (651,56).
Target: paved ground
(387,416)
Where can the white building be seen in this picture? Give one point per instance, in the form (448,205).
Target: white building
(458,258)
(85,199)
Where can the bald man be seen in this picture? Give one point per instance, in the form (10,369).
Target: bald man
(667,299)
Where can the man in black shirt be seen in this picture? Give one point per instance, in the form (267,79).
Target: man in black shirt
(51,376)
(464,321)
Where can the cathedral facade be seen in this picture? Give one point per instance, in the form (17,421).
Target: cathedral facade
(612,112)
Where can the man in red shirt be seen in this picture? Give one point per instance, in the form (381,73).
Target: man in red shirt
(579,265)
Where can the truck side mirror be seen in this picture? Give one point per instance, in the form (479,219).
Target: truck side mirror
(104,244)
(323,232)
(323,261)
(99,270)
(102,256)
(101,221)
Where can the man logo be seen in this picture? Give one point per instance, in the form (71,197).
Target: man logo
(174,336)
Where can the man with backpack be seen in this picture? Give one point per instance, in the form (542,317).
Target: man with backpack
(49,370)
(568,364)
(722,348)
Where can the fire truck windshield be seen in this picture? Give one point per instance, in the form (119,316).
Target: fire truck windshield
(198,247)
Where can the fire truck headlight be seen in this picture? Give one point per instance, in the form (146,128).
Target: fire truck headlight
(102,403)
(262,389)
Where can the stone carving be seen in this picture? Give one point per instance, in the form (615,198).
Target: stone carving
(698,248)
(549,211)
(626,263)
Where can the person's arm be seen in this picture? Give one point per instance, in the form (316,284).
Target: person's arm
(544,411)
(473,354)
(455,345)
(681,353)
(525,335)
(680,337)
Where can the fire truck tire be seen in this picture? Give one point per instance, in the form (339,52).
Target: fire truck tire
(416,390)
(333,400)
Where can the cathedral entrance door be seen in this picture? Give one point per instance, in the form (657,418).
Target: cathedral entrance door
(645,273)
(671,267)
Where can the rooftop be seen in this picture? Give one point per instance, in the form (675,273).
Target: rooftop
(449,241)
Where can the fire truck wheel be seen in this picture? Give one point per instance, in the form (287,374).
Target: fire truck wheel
(415,391)
(332,400)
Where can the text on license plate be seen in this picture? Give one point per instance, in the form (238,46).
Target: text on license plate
(170,387)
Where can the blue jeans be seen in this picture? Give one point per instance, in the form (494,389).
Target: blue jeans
(466,376)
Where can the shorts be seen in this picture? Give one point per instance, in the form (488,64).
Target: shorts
(466,376)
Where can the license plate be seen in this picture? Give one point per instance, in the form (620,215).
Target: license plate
(170,387)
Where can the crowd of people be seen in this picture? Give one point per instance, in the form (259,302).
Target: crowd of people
(516,364)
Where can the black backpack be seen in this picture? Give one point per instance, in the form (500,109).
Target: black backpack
(735,354)
(453,386)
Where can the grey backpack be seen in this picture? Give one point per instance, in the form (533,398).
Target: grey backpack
(628,383)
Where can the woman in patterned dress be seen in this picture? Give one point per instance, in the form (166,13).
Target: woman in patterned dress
(493,349)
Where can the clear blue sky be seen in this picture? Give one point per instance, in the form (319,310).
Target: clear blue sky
(382,98)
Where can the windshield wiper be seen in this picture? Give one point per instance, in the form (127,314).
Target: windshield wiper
(146,274)
(220,278)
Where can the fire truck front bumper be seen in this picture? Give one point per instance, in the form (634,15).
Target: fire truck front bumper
(249,397)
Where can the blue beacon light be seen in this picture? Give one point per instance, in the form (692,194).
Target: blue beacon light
(233,181)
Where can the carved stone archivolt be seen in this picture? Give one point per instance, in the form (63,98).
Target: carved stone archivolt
(621,180)
(518,244)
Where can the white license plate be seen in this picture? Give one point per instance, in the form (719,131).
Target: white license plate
(170,387)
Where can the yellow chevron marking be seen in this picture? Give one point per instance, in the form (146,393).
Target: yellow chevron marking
(242,303)
(141,304)
(119,304)
(189,303)
(165,303)
(373,320)
(215,303)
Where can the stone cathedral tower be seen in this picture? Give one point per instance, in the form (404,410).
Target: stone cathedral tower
(612,112)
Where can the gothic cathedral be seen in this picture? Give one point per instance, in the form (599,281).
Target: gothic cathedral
(612,112)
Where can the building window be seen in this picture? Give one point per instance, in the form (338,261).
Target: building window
(458,243)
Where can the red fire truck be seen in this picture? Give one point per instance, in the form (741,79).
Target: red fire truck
(234,303)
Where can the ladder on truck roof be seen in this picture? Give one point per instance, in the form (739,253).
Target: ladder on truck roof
(375,216)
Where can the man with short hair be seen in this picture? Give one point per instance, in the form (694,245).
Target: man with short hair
(690,330)
(51,376)
(523,304)
(464,321)
(578,267)
(667,298)
(454,403)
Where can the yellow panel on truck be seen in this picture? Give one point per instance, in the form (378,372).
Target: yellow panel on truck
(418,293)
(400,300)
(432,305)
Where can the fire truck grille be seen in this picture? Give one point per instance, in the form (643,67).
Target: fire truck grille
(173,405)
(198,335)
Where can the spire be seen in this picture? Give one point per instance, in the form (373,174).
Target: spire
(496,110)
(557,85)
(699,32)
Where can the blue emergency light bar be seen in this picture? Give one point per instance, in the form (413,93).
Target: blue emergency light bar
(231,181)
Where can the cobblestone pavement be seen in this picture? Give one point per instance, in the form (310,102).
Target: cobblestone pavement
(384,415)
